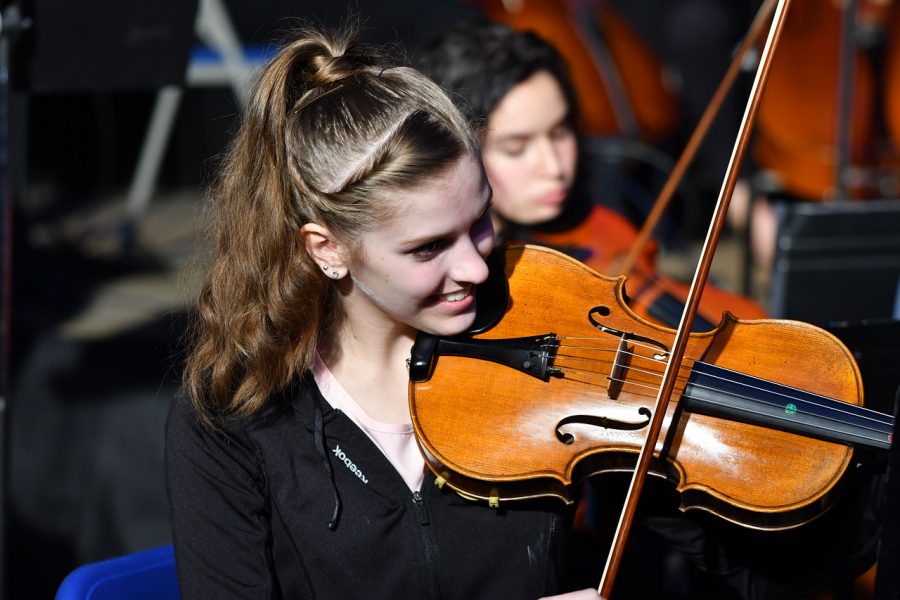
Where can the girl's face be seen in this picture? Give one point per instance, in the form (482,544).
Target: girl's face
(530,151)
(420,268)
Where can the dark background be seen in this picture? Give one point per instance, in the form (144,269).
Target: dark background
(87,405)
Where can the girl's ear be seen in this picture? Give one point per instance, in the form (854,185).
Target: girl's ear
(325,249)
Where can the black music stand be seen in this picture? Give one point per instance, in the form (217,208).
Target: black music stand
(106,45)
(887,578)
(838,261)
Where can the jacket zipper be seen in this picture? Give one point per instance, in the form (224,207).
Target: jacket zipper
(428,543)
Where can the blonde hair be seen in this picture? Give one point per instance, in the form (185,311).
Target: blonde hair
(330,127)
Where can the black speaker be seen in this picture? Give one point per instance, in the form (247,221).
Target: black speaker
(106,45)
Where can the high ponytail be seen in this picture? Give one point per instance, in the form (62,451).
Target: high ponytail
(330,127)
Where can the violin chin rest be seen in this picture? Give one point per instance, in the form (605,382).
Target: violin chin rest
(492,296)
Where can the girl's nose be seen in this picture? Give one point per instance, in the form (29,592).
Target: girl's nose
(469,265)
(551,162)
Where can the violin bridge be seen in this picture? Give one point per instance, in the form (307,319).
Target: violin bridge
(617,373)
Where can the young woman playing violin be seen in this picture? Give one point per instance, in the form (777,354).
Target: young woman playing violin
(516,85)
(352,211)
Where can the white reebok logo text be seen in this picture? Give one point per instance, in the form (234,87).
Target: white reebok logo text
(349,464)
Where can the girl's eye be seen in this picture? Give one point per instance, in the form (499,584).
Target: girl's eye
(513,148)
(429,250)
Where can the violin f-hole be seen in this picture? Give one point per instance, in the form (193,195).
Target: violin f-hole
(604,311)
(601,421)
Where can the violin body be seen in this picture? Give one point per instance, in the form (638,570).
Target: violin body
(605,237)
(496,432)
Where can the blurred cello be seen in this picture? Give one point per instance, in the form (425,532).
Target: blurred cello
(892,90)
(819,117)
(618,80)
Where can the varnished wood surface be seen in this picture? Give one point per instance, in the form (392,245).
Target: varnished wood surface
(491,430)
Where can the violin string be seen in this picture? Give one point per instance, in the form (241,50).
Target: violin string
(684,371)
(748,411)
(791,421)
(630,368)
(874,415)
(613,343)
(686,364)
(861,412)
(869,414)
(777,417)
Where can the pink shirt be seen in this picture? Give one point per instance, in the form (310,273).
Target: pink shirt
(395,440)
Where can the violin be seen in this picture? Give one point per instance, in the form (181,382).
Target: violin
(766,417)
(558,379)
(604,237)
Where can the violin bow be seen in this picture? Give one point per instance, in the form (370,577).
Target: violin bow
(693,301)
(763,15)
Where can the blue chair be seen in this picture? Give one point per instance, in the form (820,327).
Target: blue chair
(145,575)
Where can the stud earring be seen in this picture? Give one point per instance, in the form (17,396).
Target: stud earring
(334,274)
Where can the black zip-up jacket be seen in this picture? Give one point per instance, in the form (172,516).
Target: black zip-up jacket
(299,503)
